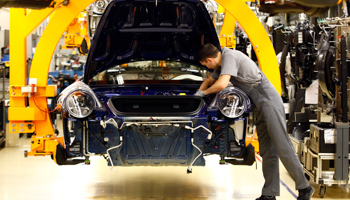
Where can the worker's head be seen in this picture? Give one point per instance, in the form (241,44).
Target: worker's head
(209,56)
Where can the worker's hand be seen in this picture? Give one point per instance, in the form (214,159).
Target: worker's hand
(200,93)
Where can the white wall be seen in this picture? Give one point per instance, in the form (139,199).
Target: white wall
(5,18)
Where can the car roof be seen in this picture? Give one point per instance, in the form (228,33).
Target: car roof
(135,30)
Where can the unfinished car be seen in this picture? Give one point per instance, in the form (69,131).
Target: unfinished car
(135,104)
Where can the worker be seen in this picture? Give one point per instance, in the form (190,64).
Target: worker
(235,67)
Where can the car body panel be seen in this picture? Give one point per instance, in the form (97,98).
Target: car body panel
(146,30)
(138,91)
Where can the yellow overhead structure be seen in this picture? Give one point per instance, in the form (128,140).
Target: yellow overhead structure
(77,34)
(258,37)
(221,9)
(35,117)
(227,37)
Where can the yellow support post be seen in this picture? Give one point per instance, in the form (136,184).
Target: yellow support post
(229,24)
(44,51)
(29,119)
(22,23)
(227,37)
(258,37)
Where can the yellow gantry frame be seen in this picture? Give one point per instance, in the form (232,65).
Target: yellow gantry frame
(22,22)
(77,31)
(258,37)
(25,119)
(227,37)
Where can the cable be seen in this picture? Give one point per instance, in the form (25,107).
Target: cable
(40,108)
(33,95)
(189,169)
(109,156)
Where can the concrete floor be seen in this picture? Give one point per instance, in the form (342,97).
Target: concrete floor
(40,178)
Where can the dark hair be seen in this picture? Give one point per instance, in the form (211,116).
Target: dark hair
(207,51)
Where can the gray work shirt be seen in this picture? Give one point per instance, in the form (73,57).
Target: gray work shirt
(239,66)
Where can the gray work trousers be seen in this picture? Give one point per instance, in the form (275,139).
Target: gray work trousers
(274,141)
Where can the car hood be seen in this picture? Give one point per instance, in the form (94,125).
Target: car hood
(134,30)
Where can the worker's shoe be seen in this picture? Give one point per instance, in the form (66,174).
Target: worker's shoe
(306,194)
(263,197)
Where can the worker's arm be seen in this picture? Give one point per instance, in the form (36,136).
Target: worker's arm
(219,85)
(207,83)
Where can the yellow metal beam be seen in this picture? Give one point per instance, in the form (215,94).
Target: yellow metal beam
(22,23)
(29,119)
(258,37)
(227,37)
(59,21)
(228,27)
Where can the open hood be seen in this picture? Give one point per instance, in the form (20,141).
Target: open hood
(134,30)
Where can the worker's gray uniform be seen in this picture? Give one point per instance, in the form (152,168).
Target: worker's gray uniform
(271,123)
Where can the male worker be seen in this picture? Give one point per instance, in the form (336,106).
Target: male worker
(234,66)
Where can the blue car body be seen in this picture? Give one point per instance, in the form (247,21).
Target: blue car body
(135,104)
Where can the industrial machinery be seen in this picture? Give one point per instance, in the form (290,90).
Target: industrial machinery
(298,72)
(324,150)
(188,129)
(300,43)
(76,36)
(317,56)
(309,7)
(94,122)
(145,113)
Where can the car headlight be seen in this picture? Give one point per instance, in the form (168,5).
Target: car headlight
(78,100)
(233,102)
(80,104)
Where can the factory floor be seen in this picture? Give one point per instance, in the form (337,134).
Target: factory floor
(40,178)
